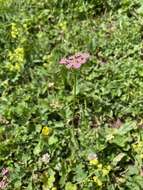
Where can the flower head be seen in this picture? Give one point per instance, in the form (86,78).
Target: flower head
(92,156)
(93,162)
(99,166)
(5,171)
(93,159)
(46,131)
(75,61)
(105,172)
(4,180)
(45,158)
(3,184)
(14,30)
(97,181)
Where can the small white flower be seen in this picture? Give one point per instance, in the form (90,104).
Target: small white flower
(45,158)
(50,84)
(58,166)
(92,156)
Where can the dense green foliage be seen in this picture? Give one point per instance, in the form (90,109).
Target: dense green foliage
(38,142)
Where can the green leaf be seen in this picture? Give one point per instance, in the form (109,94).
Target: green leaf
(38,148)
(140,10)
(118,158)
(121,140)
(127,127)
(80,174)
(132,170)
(52,140)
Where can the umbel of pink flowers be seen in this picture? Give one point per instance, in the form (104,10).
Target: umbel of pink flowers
(75,61)
(4,181)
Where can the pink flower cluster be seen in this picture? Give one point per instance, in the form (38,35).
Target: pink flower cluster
(75,61)
(4,181)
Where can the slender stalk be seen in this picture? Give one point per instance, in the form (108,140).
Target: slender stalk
(74,140)
(75,84)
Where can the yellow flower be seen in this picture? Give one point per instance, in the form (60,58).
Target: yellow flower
(105,172)
(95,178)
(138,146)
(99,166)
(97,181)
(14,30)
(109,168)
(16,59)
(63,25)
(93,162)
(17,67)
(46,131)
(19,54)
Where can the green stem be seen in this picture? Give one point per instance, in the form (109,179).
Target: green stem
(74,140)
(75,84)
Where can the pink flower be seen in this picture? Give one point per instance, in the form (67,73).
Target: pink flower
(3,184)
(4,181)
(75,61)
(63,61)
(5,171)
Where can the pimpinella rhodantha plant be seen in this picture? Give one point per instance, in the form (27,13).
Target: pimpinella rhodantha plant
(74,64)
